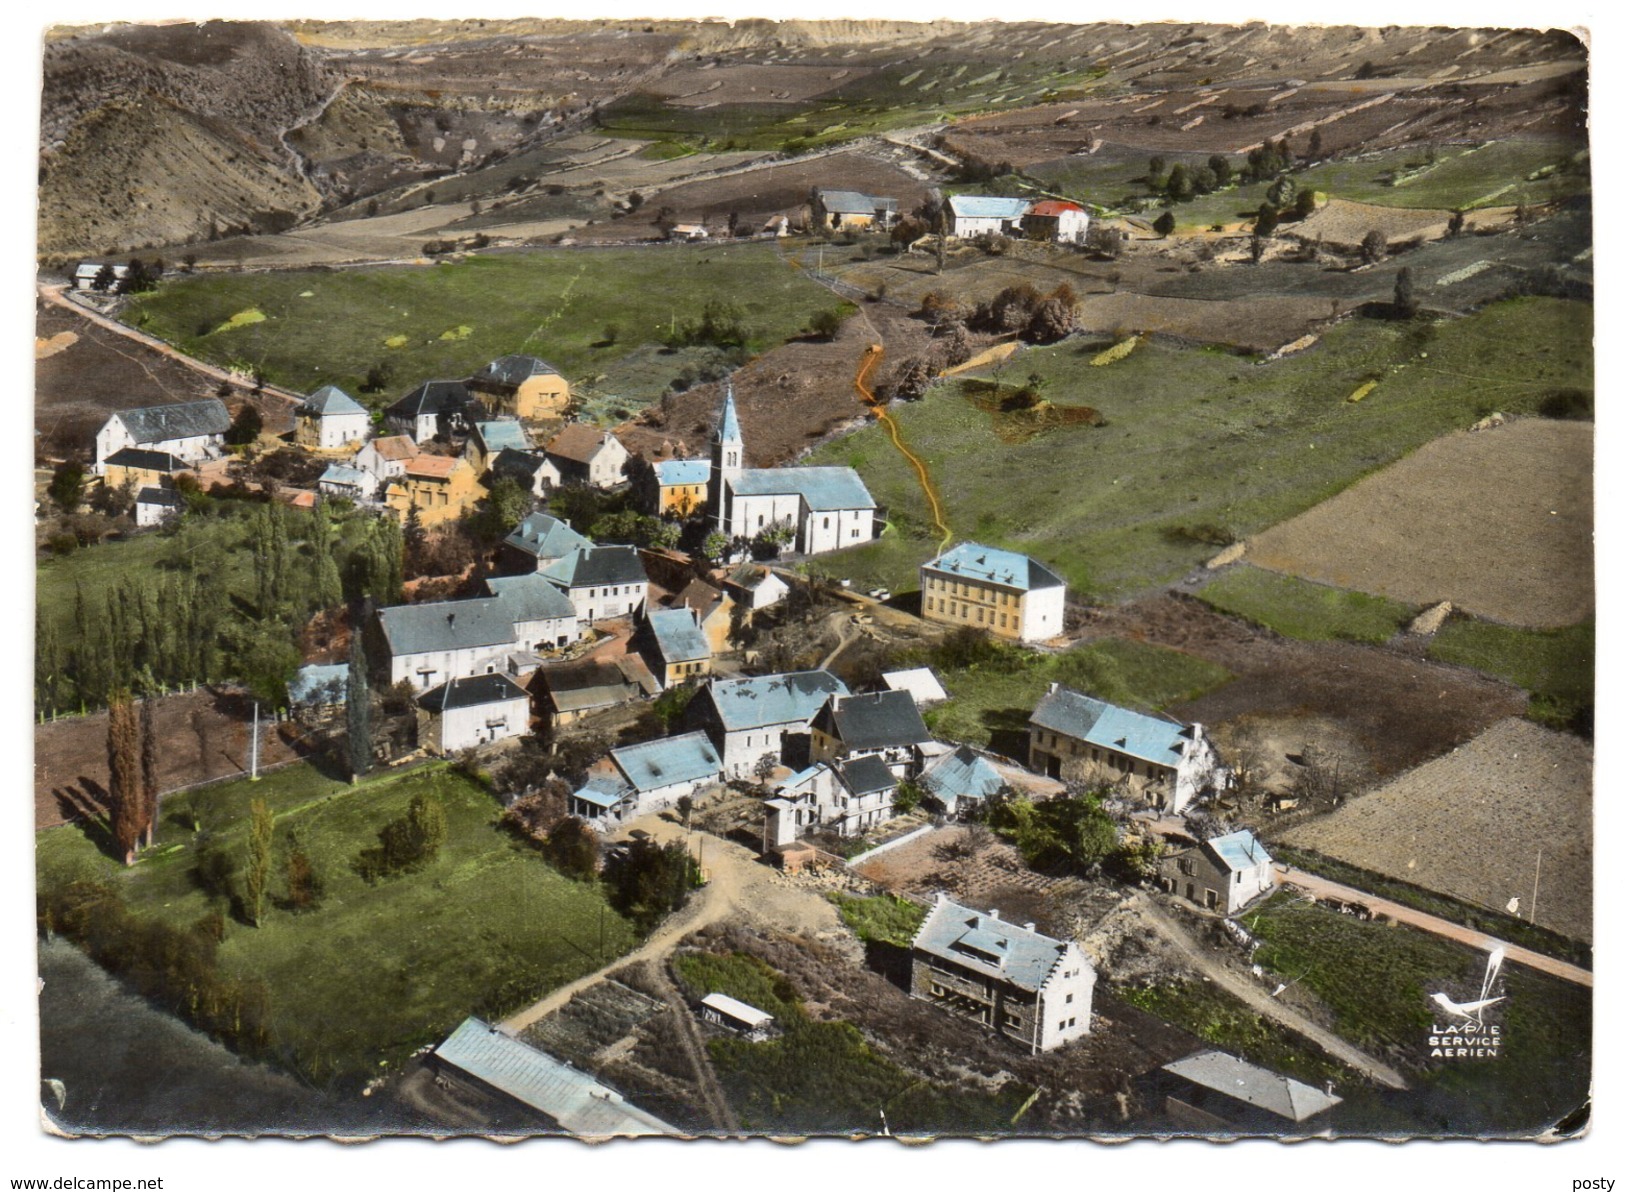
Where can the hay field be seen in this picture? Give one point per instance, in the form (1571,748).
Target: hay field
(1498,522)
(1470,823)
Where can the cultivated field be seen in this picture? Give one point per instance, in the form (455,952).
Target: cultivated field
(1497,522)
(1471,823)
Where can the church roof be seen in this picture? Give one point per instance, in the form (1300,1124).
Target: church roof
(822,488)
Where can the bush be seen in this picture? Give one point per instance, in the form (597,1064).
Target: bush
(407,843)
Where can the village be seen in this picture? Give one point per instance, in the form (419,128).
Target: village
(701,765)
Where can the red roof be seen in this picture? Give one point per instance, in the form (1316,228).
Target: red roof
(1051,208)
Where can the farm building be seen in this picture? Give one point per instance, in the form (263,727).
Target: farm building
(434,410)
(584,454)
(1214,1091)
(319,685)
(440,487)
(885,726)
(142,469)
(1007,594)
(192,431)
(1026,986)
(673,644)
(521,387)
(824,508)
(467,713)
(679,486)
(568,691)
(851,210)
(486,440)
(331,420)
(750,719)
(342,480)
(1056,220)
(985,215)
(482,1059)
(429,644)
(87,274)
(755,586)
(539,540)
(739,1017)
(921,682)
(155,506)
(1222,874)
(650,776)
(961,780)
(1163,762)
(602,582)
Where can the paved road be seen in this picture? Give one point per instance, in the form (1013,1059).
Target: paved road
(1269,1007)
(1323,888)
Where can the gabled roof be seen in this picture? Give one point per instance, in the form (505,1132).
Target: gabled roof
(605,790)
(529,598)
(853,202)
(432,397)
(921,682)
(596,566)
(569,1096)
(579,686)
(1259,1087)
(700,596)
(158,424)
(472,693)
(865,775)
(1095,722)
(883,720)
(984,943)
(669,472)
(513,371)
(989,564)
(503,433)
(546,537)
(737,1010)
(822,488)
(147,461)
(396,448)
(772,699)
(330,400)
(1052,208)
(166,497)
(654,764)
(433,467)
(961,774)
(517,465)
(988,207)
(346,475)
(580,442)
(749,576)
(677,635)
(1237,852)
(445,625)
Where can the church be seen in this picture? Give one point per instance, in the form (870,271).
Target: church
(828,508)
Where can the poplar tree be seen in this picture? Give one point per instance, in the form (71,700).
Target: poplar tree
(149,769)
(124,798)
(261,829)
(358,694)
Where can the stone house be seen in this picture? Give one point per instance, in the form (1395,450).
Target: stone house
(441,487)
(754,586)
(1058,221)
(539,540)
(1006,594)
(1223,874)
(142,469)
(434,410)
(191,431)
(758,717)
(468,713)
(521,387)
(851,210)
(674,646)
(602,582)
(985,215)
(567,691)
(331,420)
(584,454)
(884,725)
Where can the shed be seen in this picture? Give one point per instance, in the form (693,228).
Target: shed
(736,1015)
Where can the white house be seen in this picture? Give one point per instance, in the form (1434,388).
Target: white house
(885,725)
(647,777)
(845,798)
(584,454)
(331,420)
(385,458)
(467,713)
(85,274)
(754,586)
(602,582)
(1223,874)
(430,644)
(750,718)
(979,215)
(1059,221)
(434,408)
(191,431)
(342,480)
(155,506)
(539,540)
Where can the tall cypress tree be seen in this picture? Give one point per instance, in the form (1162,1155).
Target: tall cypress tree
(124,801)
(149,770)
(358,694)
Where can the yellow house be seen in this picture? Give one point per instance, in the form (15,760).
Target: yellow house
(521,387)
(1006,594)
(682,486)
(142,469)
(442,487)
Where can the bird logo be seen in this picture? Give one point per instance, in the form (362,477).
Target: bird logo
(1474,1010)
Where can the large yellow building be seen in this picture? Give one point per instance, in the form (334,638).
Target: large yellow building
(1006,594)
(521,387)
(442,487)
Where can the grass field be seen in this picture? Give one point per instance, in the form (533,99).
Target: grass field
(556,305)
(373,972)
(1556,667)
(1311,612)
(886,917)
(1375,980)
(991,701)
(1197,442)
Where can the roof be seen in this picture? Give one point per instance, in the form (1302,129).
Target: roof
(318,679)
(728,420)
(736,1009)
(677,635)
(604,790)
(432,397)
(514,370)
(396,447)
(772,699)
(432,467)
(988,207)
(158,424)
(149,461)
(472,693)
(882,720)
(700,596)
(529,598)
(519,465)
(821,488)
(750,576)
(1280,1095)
(546,537)
(345,474)
(853,202)
(445,625)
(91,268)
(682,471)
(596,566)
(985,943)
(921,682)
(331,400)
(865,775)
(989,564)
(1237,852)
(580,686)
(962,774)
(1051,208)
(502,433)
(1096,722)
(167,497)
(572,1098)
(654,764)
(580,441)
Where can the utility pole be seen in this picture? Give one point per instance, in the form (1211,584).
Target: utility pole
(1534,898)
(254,747)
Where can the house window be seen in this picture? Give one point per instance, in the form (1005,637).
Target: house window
(826,523)
(1069,999)
(854,531)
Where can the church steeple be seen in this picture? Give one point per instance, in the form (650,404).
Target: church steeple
(727,442)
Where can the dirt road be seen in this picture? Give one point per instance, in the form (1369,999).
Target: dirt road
(1255,997)
(1322,888)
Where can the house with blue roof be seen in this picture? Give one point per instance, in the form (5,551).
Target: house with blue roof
(351,483)
(961,780)
(851,210)
(488,439)
(1010,979)
(1160,761)
(331,420)
(844,798)
(999,591)
(539,540)
(1223,874)
(674,645)
(758,717)
(648,777)
(985,215)
(678,487)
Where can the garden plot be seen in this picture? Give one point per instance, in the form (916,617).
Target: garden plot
(1497,522)
(1472,823)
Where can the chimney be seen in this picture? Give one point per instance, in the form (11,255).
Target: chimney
(451,618)
(993,913)
(1029,926)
